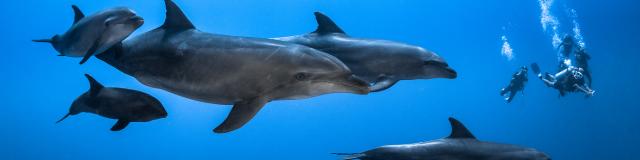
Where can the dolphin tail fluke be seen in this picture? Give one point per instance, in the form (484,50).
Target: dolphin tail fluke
(350,156)
(65,117)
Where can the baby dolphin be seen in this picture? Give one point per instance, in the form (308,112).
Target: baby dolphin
(245,72)
(125,105)
(380,62)
(460,145)
(96,33)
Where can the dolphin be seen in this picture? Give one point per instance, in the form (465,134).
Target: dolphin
(460,145)
(96,33)
(381,63)
(125,105)
(244,72)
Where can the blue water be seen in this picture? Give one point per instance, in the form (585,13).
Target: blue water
(38,86)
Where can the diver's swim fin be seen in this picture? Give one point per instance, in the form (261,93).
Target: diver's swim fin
(535,68)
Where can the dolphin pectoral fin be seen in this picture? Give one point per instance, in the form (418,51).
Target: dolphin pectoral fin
(241,113)
(383,84)
(121,124)
(92,50)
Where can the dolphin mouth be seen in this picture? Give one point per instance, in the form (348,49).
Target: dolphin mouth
(164,114)
(442,68)
(359,85)
(450,73)
(137,20)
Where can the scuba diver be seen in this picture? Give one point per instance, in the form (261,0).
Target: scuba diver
(582,59)
(565,48)
(570,79)
(517,83)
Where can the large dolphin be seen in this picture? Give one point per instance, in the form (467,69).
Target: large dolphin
(220,69)
(380,62)
(96,33)
(460,145)
(125,105)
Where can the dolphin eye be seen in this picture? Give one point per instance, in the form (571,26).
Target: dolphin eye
(301,76)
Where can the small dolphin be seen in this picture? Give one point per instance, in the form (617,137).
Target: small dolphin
(96,33)
(125,105)
(460,145)
(220,69)
(380,62)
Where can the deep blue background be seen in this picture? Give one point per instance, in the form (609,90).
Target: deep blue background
(38,86)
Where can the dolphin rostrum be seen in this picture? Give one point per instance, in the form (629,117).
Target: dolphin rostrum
(125,105)
(220,69)
(380,62)
(460,145)
(96,33)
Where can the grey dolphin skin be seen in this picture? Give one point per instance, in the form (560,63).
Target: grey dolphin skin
(460,145)
(220,69)
(96,33)
(380,62)
(125,105)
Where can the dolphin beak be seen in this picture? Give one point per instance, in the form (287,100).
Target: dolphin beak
(137,19)
(441,68)
(451,73)
(361,86)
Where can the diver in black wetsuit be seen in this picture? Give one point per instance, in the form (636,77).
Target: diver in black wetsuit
(565,48)
(577,82)
(518,80)
(567,80)
(582,59)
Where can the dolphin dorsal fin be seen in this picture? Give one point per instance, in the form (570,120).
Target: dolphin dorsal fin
(95,85)
(326,25)
(458,130)
(78,14)
(175,18)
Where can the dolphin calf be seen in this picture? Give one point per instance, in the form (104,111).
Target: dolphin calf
(96,33)
(125,105)
(220,69)
(380,62)
(460,145)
